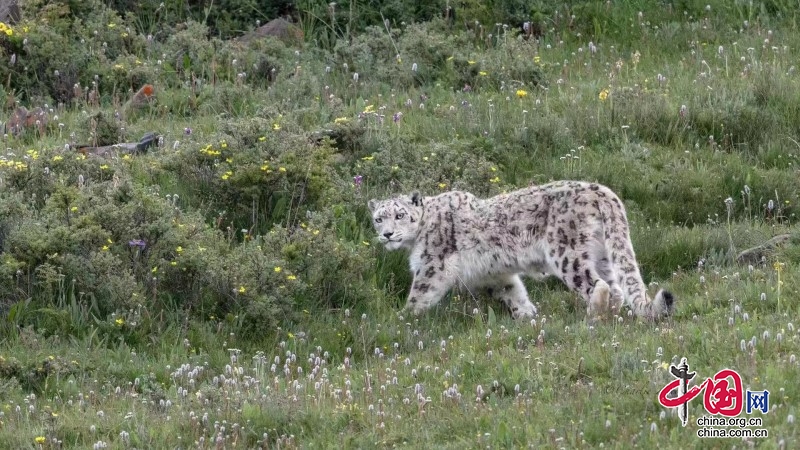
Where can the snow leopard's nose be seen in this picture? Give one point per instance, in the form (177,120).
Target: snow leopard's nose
(389,234)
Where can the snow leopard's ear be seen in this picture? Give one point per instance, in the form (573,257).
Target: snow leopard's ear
(416,198)
(372,204)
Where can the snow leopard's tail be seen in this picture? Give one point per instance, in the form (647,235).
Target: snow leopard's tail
(626,282)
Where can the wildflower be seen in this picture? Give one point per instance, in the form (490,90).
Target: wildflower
(537,59)
(397,116)
(603,95)
(358,179)
(276,126)
(368,158)
(39,440)
(179,249)
(187,131)
(120,322)
(137,243)
(414,67)
(522,93)
(291,277)
(495,180)
(482,73)
(57,158)
(105,248)
(112,25)
(470,62)
(74,209)
(265,168)
(262,138)
(104,167)
(442,185)
(277,269)
(340,120)
(223,144)
(282,169)
(227,175)
(242,289)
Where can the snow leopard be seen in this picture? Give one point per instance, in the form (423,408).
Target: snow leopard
(574,230)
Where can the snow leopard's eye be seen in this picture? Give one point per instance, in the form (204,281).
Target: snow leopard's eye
(378,220)
(400,216)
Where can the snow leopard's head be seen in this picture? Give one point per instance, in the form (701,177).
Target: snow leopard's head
(397,220)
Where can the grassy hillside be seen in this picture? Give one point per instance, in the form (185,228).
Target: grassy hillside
(224,287)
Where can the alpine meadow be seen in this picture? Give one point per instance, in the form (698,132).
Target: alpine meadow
(187,250)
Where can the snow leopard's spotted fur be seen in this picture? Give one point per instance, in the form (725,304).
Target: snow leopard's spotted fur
(573,230)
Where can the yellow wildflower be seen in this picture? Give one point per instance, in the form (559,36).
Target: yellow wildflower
(442,185)
(104,167)
(242,289)
(291,277)
(341,120)
(495,180)
(74,209)
(57,158)
(281,169)
(537,59)
(276,126)
(277,269)
(179,249)
(120,322)
(39,440)
(482,73)
(603,95)
(521,93)
(262,138)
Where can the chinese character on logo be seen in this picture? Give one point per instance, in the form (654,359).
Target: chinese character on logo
(722,394)
(757,400)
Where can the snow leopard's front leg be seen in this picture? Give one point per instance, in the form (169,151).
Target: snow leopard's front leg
(429,286)
(510,290)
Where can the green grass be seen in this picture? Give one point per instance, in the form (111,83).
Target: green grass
(299,344)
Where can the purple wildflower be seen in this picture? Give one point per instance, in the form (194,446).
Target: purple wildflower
(466,88)
(397,116)
(357,180)
(137,243)
(187,131)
